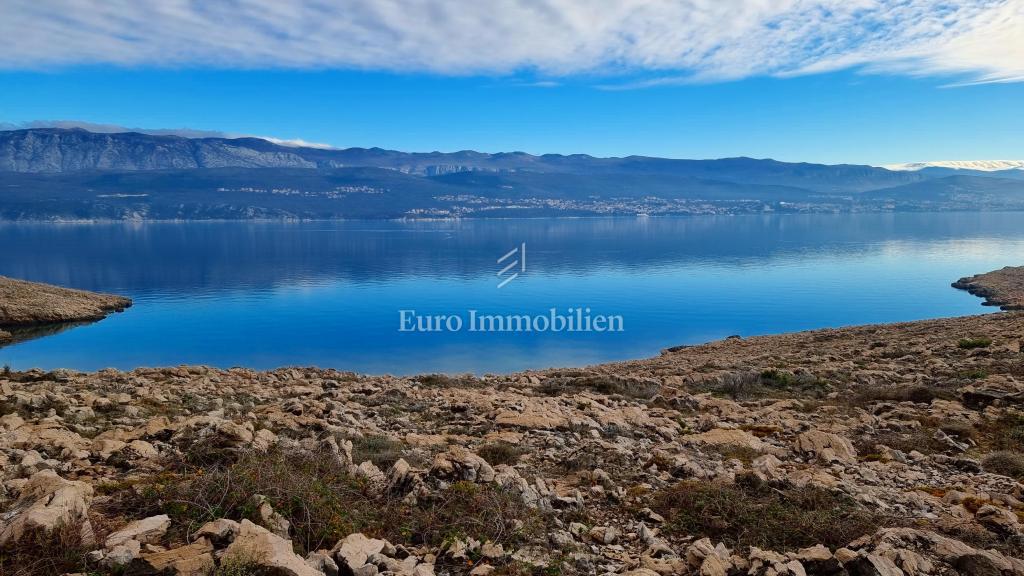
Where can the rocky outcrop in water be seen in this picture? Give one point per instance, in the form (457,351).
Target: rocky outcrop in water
(29,304)
(1003,288)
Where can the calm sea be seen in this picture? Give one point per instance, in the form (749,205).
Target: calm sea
(332,293)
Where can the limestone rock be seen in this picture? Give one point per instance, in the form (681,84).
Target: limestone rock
(195,559)
(458,463)
(355,550)
(259,546)
(723,437)
(143,531)
(220,532)
(827,447)
(269,518)
(46,502)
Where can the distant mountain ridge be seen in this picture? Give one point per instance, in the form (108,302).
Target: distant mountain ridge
(74,174)
(55,150)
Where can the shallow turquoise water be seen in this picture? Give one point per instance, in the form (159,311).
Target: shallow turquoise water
(330,293)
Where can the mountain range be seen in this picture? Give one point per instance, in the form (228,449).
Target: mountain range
(52,173)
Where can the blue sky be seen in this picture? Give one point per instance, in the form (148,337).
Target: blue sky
(869,81)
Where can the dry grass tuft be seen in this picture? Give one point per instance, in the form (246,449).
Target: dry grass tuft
(1005,462)
(602,383)
(323,503)
(865,395)
(44,554)
(772,516)
(496,453)
(768,383)
(972,343)
(380,450)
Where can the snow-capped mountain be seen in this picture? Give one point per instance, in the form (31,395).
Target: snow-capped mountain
(977,165)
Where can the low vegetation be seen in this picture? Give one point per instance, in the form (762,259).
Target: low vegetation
(380,450)
(972,343)
(323,503)
(771,516)
(58,552)
(920,394)
(603,384)
(1005,462)
(496,453)
(768,383)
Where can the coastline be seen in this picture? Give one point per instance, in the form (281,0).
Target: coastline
(1003,288)
(28,308)
(498,218)
(821,452)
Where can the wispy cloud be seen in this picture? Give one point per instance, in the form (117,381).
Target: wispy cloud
(183,132)
(684,40)
(293,142)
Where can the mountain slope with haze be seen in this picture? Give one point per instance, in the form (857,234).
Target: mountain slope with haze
(74,174)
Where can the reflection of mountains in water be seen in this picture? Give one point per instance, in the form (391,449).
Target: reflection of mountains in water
(140,258)
(25,333)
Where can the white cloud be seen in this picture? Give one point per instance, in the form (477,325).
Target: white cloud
(293,142)
(980,165)
(692,40)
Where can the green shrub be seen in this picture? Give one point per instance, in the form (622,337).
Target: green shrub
(380,450)
(235,567)
(974,374)
(322,502)
(972,343)
(772,516)
(768,383)
(1005,462)
(40,553)
(496,453)
(602,383)
(919,394)
(446,381)
(921,439)
(1005,432)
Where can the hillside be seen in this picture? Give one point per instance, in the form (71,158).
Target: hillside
(961,192)
(56,174)
(66,150)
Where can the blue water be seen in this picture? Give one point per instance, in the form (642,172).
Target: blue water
(329,293)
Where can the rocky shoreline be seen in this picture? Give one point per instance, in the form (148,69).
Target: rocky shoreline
(1003,288)
(883,450)
(29,305)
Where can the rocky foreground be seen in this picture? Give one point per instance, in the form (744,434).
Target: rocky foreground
(26,304)
(874,450)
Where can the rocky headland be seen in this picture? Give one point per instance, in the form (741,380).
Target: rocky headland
(888,450)
(1003,288)
(31,304)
